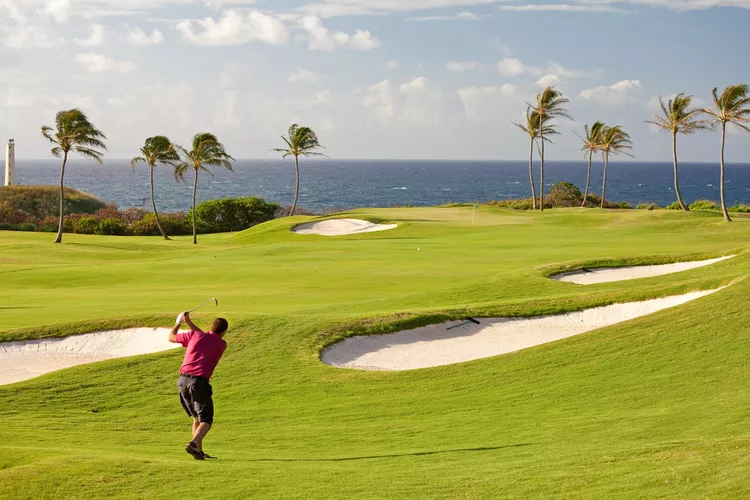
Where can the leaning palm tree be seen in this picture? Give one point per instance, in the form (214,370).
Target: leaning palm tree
(732,106)
(207,152)
(614,140)
(678,118)
(549,105)
(73,132)
(300,141)
(592,142)
(156,150)
(532,130)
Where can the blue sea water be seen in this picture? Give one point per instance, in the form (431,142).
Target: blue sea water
(365,183)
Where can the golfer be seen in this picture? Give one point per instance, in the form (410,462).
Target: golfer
(204,350)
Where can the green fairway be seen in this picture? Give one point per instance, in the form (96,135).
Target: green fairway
(653,407)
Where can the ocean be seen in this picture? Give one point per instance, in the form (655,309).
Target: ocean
(337,184)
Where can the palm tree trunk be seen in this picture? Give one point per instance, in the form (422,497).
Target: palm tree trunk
(153,203)
(604,179)
(531,175)
(195,188)
(721,182)
(541,167)
(296,189)
(588,179)
(676,186)
(62,200)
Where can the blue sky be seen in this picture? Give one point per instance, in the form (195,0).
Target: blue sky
(427,79)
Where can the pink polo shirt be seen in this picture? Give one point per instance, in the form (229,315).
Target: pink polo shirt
(203,353)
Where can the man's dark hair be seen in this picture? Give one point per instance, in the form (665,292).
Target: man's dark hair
(219,326)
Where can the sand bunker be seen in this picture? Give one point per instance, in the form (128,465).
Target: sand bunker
(434,345)
(341,227)
(607,274)
(30,358)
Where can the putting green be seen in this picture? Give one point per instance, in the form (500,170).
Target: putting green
(652,407)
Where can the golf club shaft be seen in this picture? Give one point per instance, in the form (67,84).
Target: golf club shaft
(203,304)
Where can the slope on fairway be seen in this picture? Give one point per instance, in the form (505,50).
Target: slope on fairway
(651,407)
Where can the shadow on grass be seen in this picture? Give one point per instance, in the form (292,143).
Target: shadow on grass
(395,455)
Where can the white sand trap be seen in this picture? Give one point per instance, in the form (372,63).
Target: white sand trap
(341,227)
(608,274)
(27,359)
(434,345)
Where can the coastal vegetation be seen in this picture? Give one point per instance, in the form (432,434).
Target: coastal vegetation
(156,150)
(300,141)
(73,132)
(205,153)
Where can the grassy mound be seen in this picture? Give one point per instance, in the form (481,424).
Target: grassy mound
(653,407)
(29,204)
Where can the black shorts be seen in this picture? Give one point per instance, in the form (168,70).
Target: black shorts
(195,396)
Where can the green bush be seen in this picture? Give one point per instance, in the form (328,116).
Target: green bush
(704,205)
(648,206)
(6,227)
(173,223)
(674,206)
(110,227)
(742,208)
(563,194)
(625,205)
(231,214)
(30,204)
(26,227)
(523,204)
(87,225)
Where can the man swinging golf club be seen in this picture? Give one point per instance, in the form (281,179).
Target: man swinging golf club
(204,350)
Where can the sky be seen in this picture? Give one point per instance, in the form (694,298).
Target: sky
(376,79)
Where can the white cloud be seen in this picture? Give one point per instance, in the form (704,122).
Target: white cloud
(565,8)
(482,104)
(616,95)
(95,38)
(511,66)
(303,75)
(459,16)
(137,36)
(322,97)
(17,31)
(321,38)
(59,10)
(99,63)
(378,99)
(392,64)
(234,28)
(548,80)
(461,66)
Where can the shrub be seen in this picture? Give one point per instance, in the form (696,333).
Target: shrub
(704,205)
(742,208)
(26,227)
(110,227)
(29,204)
(563,194)
(87,225)
(648,206)
(625,205)
(674,206)
(173,224)
(232,214)
(522,204)
(6,227)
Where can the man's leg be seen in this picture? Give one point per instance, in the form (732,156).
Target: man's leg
(199,433)
(196,423)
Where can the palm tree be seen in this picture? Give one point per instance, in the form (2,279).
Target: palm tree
(678,118)
(207,152)
(73,132)
(532,130)
(614,141)
(155,150)
(300,141)
(732,106)
(592,142)
(549,105)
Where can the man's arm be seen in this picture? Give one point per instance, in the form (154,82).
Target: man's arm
(176,328)
(193,328)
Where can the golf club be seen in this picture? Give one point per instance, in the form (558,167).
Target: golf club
(468,320)
(212,299)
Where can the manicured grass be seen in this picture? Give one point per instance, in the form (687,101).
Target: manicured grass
(652,407)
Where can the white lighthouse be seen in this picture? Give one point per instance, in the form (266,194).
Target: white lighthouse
(10,163)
